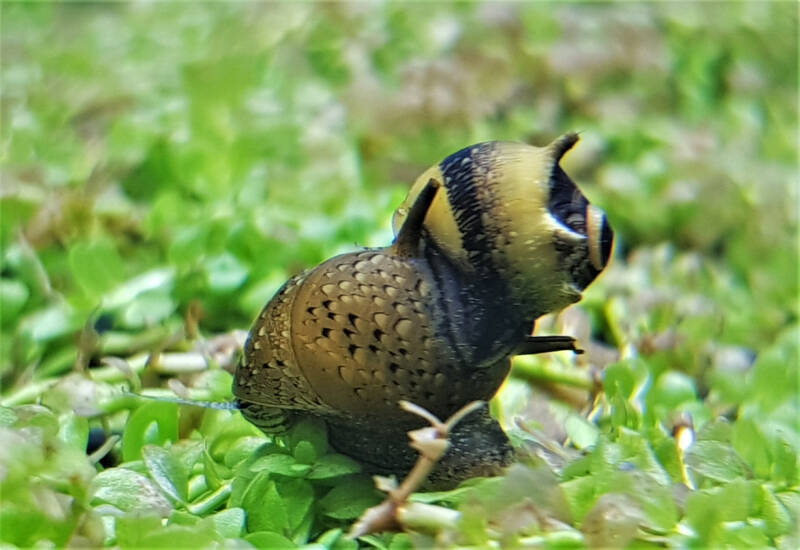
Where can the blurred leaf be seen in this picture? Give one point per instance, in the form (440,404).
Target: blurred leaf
(636,450)
(786,463)
(751,445)
(148,309)
(182,536)
(673,389)
(225,273)
(154,172)
(13,295)
(157,279)
(619,379)
(131,529)
(7,417)
(612,522)
(581,433)
(49,323)
(96,266)
(130,492)
(715,460)
(777,517)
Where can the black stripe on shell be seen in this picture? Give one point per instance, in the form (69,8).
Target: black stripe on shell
(461,172)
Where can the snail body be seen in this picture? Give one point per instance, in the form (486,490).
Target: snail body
(488,240)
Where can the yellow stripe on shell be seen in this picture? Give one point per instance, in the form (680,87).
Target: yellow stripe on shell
(439,222)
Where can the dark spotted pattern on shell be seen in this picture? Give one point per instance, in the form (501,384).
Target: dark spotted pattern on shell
(269,373)
(366,332)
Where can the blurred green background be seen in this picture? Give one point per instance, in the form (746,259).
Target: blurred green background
(170,161)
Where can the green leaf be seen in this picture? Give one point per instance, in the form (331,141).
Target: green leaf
(189,455)
(305,453)
(166,471)
(581,494)
(7,417)
(225,273)
(155,171)
(715,460)
(229,523)
(13,296)
(333,465)
(148,309)
(582,433)
(777,518)
(673,389)
(131,529)
(716,430)
(619,379)
(774,383)
(612,522)
(265,508)
(213,471)
(74,430)
(269,540)
(637,451)
(298,496)
(623,415)
(39,417)
(201,535)
(785,468)
(752,446)
(278,463)
(129,491)
(96,266)
(154,422)
(330,537)
(350,499)
(153,281)
(312,431)
(740,535)
(188,246)
(49,323)
(653,496)
(707,509)
(181,517)
(242,449)
(346,544)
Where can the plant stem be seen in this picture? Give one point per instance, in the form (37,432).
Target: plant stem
(211,502)
(540,371)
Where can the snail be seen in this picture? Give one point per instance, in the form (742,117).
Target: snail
(487,241)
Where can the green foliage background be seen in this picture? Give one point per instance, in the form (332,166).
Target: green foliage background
(165,166)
